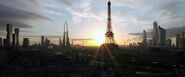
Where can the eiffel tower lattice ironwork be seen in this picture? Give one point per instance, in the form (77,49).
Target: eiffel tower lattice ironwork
(109,34)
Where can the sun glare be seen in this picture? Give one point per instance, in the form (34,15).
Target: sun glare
(99,38)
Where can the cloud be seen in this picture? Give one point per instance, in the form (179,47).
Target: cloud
(20,13)
(172,8)
(171,32)
(54,13)
(65,2)
(149,34)
(139,14)
(136,34)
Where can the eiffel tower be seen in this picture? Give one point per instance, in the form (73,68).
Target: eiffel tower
(109,41)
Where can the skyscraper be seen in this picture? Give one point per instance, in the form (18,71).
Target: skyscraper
(16,30)
(64,36)
(169,43)
(177,40)
(183,35)
(155,33)
(9,35)
(47,43)
(162,36)
(1,42)
(14,40)
(144,37)
(66,42)
(67,37)
(182,42)
(26,42)
(60,42)
(42,40)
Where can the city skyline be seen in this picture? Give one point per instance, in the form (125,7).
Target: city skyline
(86,38)
(87,18)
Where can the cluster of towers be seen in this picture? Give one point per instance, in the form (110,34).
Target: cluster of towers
(12,39)
(65,42)
(45,42)
(158,35)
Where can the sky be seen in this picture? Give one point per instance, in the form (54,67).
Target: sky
(87,18)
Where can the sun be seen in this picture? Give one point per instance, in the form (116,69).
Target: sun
(99,38)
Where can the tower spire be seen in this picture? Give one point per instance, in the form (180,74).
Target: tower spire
(66,42)
(67,37)
(64,36)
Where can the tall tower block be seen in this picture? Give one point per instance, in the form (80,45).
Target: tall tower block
(155,33)
(9,35)
(42,40)
(144,37)
(67,37)
(64,37)
(16,30)
(66,42)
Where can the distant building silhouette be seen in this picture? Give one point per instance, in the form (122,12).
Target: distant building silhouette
(180,41)
(26,42)
(151,42)
(66,42)
(14,40)
(162,36)
(168,43)
(144,37)
(1,42)
(64,36)
(60,42)
(42,40)
(183,35)
(177,40)
(47,43)
(155,34)
(9,35)
(183,40)
(4,43)
(16,30)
